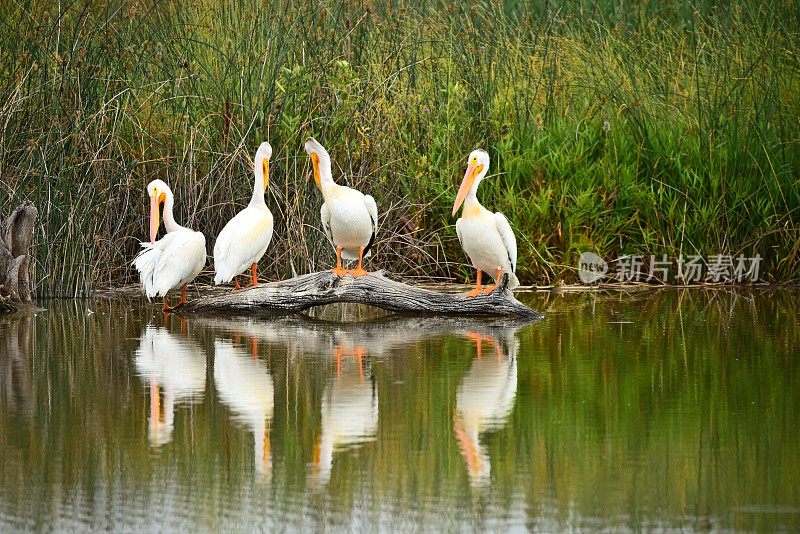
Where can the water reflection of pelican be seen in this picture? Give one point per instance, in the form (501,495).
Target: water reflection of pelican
(349,408)
(245,385)
(485,397)
(179,367)
(349,412)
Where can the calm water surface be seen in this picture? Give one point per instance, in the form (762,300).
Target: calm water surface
(674,410)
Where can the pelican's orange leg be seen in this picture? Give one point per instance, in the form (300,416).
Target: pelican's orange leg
(338,270)
(475,292)
(253,275)
(236,283)
(489,289)
(478,340)
(183,294)
(166,307)
(359,270)
(254,348)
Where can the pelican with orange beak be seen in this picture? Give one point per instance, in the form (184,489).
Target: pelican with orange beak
(245,238)
(486,237)
(349,217)
(244,384)
(174,260)
(172,367)
(484,400)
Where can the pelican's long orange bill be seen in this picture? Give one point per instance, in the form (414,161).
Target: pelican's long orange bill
(466,185)
(265,167)
(154,221)
(315,163)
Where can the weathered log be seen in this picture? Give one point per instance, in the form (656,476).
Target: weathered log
(316,289)
(303,335)
(15,242)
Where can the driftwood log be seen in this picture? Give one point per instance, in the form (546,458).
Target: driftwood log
(15,243)
(303,335)
(316,289)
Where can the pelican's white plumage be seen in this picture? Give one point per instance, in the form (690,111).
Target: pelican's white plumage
(486,237)
(177,365)
(174,260)
(484,400)
(349,416)
(245,238)
(349,217)
(245,386)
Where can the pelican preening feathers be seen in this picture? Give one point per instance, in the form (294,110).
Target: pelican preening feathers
(174,260)
(349,220)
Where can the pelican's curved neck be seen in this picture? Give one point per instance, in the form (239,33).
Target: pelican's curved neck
(472,196)
(258,183)
(169,218)
(323,169)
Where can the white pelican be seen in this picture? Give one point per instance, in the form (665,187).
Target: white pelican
(349,415)
(349,217)
(486,237)
(246,237)
(245,385)
(484,400)
(177,365)
(175,259)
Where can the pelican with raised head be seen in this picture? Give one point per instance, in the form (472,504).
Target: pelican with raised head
(245,385)
(245,238)
(486,237)
(349,415)
(349,217)
(174,260)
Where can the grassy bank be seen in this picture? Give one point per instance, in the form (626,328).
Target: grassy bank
(617,127)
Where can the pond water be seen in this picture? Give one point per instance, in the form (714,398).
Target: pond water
(676,409)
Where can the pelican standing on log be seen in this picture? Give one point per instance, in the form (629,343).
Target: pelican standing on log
(245,238)
(174,260)
(486,237)
(349,217)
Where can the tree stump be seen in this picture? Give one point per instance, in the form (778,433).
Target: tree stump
(15,242)
(316,289)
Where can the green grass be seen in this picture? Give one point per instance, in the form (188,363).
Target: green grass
(620,127)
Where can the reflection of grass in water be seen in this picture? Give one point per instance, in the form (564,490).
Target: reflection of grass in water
(646,128)
(689,410)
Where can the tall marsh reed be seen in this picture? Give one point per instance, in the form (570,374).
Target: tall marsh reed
(618,127)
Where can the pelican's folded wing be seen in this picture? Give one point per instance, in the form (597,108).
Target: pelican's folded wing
(507,235)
